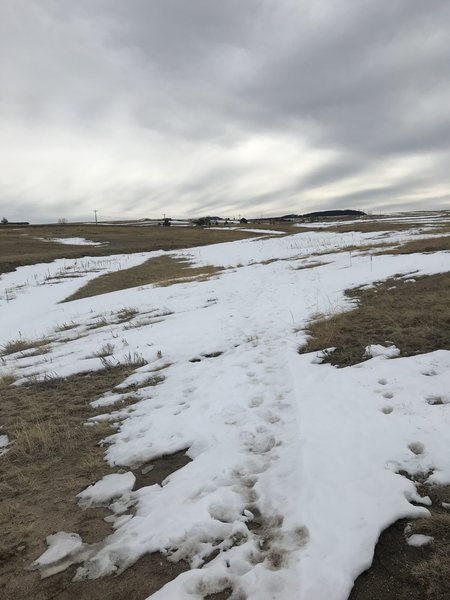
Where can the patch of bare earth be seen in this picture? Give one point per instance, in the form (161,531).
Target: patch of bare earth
(52,457)
(163,270)
(415,316)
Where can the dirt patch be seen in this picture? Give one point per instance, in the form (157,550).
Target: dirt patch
(164,270)
(53,457)
(19,246)
(414,315)
(224,595)
(403,572)
(157,470)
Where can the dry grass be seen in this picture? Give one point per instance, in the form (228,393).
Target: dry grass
(51,458)
(126,314)
(19,246)
(372,227)
(415,316)
(164,270)
(6,380)
(21,345)
(426,245)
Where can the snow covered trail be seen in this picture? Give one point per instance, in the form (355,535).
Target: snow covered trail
(294,464)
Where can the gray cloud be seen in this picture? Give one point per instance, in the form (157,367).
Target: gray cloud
(249,106)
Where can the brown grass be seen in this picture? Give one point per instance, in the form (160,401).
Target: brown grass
(18,245)
(413,316)
(51,458)
(372,227)
(21,345)
(425,245)
(164,270)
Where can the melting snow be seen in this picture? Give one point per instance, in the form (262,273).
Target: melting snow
(74,241)
(418,540)
(295,464)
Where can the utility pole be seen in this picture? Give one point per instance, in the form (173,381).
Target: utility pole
(95,213)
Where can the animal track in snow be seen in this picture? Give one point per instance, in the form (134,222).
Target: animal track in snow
(270,417)
(387,410)
(382,381)
(388,395)
(255,402)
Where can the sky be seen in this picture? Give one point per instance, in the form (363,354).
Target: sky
(140,108)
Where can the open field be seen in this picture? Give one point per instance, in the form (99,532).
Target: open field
(204,420)
(26,245)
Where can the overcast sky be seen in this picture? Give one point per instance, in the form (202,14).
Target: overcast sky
(253,107)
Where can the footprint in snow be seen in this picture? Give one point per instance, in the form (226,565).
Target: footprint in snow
(271,418)
(387,410)
(388,395)
(416,447)
(255,402)
(382,381)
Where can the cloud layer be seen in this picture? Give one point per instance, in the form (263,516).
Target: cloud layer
(247,106)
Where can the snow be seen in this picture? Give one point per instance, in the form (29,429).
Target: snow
(112,486)
(379,350)
(73,241)
(60,545)
(308,452)
(4,442)
(226,228)
(418,540)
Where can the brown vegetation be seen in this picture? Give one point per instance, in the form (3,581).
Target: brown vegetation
(436,244)
(19,246)
(51,458)
(415,316)
(163,270)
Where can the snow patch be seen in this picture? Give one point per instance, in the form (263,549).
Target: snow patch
(116,485)
(74,241)
(378,350)
(418,540)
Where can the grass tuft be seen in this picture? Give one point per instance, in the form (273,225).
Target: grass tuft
(21,345)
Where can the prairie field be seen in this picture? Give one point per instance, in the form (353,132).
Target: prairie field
(246,413)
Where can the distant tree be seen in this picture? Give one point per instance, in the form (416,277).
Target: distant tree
(203,221)
(4,221)
(62,221)
(167,222)
(243,221)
